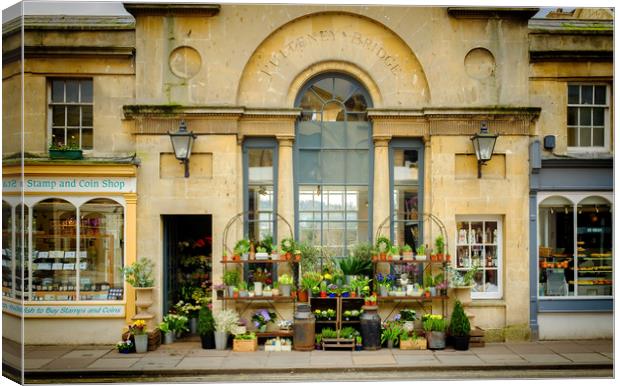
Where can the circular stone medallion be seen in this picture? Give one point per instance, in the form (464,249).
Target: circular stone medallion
(185,62)
(479,63)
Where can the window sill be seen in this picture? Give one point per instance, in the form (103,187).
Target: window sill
(482,303)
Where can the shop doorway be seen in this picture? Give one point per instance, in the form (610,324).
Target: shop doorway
(187,258)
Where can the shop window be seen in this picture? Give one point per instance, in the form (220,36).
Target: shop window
(22,271)
(7,249)
(101,249)
(54,238)
(333,163)
(588,116)
(71,113)
(478,245)
(575,252)
(260,156)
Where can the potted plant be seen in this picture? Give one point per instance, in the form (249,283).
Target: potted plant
(140,337)
(309,281)
(459,327)
(435,328)
(408,317)
(231,279)
(370,300)
(288,246)
(439,248)
(219,290)
(385,282)
(241,250)
(69,151)
(412,342)
(332,290)
(140,276)
(285,282)
(394,253)
(462,283)
(166,328)
(125,346)
(261,253)
(225,322)
(391,332)
(420,253)
(206,327)
(246,342)
(323,289)
(261,318)
(243,289)
(383,246)
(358,343)
(407,252)
(374,252)
(190,311)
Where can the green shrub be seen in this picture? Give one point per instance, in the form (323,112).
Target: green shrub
(206,324)
(459,323)
(231,278)
(140,273)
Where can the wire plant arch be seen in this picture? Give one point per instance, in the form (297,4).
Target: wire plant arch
(240,217)
(426,218)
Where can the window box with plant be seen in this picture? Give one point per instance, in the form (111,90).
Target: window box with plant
(411,341)
(246,342)
(70,151)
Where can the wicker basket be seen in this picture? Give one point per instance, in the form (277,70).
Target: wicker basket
(245,345)
(413,344)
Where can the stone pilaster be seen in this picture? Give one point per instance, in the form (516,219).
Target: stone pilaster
(381,191)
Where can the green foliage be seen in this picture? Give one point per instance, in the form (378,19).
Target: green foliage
(310,257)
(433,323)
(459,323)
(287,245)
(242,246)
(395,250)
(285,279)
(421,250)
(328,333)
(163,327)
(206,323)
(383,244)
(391,332)
(267,243)
(140,273)
(176,323)
(406,248)
(310,280)
(348,332)
(428,280)
(231,278)
(439,244)
(363,251)
(407,315)
(261,250)
(354,265)
(318,338)
(246,336)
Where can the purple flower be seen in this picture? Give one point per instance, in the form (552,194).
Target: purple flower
(256,324)
(265,315)
(397,317)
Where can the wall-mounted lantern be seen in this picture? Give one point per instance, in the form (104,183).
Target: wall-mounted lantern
(182,142)
(484,143)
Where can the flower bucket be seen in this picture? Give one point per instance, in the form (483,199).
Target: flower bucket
(383,290)
(258,288)
(436,340)
(221,339)
(142,343)
(169,337)
(461,343)
(207,341)
(285,290)
(193,326)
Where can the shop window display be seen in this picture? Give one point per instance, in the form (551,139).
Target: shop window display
(7,249)
(101,248)
(479,246)
(260,195)
(406,220)
(575,252)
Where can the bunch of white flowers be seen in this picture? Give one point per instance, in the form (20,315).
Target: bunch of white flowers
(226,320)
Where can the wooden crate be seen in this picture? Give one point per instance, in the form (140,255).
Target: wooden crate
(476,337)
(245,345)
(417,344)
(338,343)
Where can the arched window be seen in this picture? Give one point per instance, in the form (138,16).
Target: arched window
(333,163)
(101,248)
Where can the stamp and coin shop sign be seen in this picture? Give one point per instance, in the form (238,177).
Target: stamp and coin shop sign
(70,184)
(95,310)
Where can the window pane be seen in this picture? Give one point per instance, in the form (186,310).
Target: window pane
(556,242)
(358,167)
(333,166)
(573,95)
(86,91)
(357,102)
(490,257)
(73,116)
(333,112)
(333,198)
(309,198)
(334,135)
(73,138)
(598,136)
(310,101)
(585,116)
(585,136)
(101,228)
(309,134)
(55,251)
(600,95)
(7,249)
(490,280)
(87,116)
(586,95)
(572,136)
(310,232)
(260,166)
(87,139)
(58,91)
(309,169)
(58,116)
(58,137)
(355,117)
(594,250)
(357,134)
(406,202)
(343,89)
(462,257)
(405,166)
(490,232)
(21,251)
(72,91)
(571,118)
(598,114)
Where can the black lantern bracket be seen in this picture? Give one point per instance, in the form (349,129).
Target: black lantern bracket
(484,144)
(182,142)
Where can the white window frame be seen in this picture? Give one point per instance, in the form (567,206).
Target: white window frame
(500,251)
(575,198)
(607,120)
(51,104)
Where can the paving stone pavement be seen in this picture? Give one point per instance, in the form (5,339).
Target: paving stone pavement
(189,356)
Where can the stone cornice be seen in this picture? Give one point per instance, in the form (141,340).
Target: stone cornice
(162,9)
(68,23)
(492,12)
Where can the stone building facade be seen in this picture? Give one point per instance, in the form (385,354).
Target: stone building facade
(236,75)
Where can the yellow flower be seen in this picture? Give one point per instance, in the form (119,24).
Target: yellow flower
(327,276)
(140,323)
